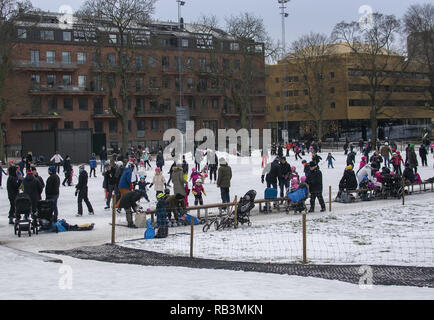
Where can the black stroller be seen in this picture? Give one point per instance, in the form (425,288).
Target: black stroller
(44,216)
(392,186)
(245,205)
(23,212)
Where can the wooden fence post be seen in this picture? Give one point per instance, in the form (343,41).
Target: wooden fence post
(113,218)
(304,239)
(191,236)
(235,214)
(330,198)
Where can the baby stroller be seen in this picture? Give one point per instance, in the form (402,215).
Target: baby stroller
(392,186)
(297,199)
(43,219)
(245,205)
(23,211)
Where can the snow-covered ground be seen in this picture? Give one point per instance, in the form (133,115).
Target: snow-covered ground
(345,228)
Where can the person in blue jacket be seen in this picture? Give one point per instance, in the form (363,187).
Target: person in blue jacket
(92,164)
(125,182)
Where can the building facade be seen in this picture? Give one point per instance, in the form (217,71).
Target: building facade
(345,100)
(61,80)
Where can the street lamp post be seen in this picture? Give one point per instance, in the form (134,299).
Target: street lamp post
(284,15)
(180,4)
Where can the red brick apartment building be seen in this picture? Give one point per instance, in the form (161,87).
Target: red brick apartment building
(56,82)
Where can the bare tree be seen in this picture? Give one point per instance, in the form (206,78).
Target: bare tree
(11,11)
(375,59)
(119,24)
(249,32)
(312,56)
(419,29)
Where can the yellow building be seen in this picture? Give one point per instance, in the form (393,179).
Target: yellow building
(333,87)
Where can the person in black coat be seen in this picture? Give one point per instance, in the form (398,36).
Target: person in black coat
(81,191)
(273,174)
(348,181)
(423,155)
(39,178)
(129,203)
(13,186)
(316,158)
(67,169)
(314,180)
(285,173)
(109,183)
(160,160)
(52,189)
(33,188)
(408,174)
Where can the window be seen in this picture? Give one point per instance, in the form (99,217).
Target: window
(139,61)
(215,103)
(167,104)
(178,64)
(51,80)
(68,125)
(83,104)
(166,83)
(67,80)
(192,103)
(204,103)
(153,105)
(36,126)
(332,90)
(52,104)
(84,124)
(332,75)
(51,56)
(34,57)
(66,57)
(184,43)
(113,38)
(111,59)
(140,106)
(276,80)
(81,57)
(277,108)
(190,83)
(96,59)
(36,105)
(189,64)
(140,84)
(177,83)
(237,65)
(82,81)
(22,34)
(113,126)
(165,124)
(153,82)
(333,105)
(202,86)
(165,63)
(111,79)
(152,62)
(202,64)
(66,36)
(67,104)
(47,34)
(305,92)
(35,81)
(225,64)
(98,126)
(140,123)
(154,124)
(234,46)
(277,93)
(129,125)
(97,106)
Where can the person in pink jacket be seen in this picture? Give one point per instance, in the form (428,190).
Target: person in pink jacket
(362,162)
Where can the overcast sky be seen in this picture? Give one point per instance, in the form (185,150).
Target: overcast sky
(304,15)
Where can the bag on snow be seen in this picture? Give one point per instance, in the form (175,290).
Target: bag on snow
(150,231)
(162,232)
(140,220)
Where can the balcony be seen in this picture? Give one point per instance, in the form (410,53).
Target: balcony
(159,112)
(44,66)
(38,89)
(147,92)
(36,116)
(101,113)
